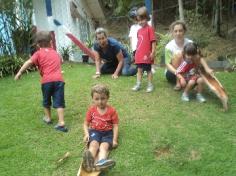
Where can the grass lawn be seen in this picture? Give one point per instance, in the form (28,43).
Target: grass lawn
(159,134)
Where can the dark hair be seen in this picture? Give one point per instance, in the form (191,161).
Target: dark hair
(100,89)
(133,13)
(43,38)
(191,49)
(178,22)
(142,13)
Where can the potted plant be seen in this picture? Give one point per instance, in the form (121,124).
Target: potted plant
(65,52)
(89,44)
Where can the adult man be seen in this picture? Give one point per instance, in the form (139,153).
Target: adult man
(111,57)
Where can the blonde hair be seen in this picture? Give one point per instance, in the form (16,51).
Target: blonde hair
(100,89)
(142,13)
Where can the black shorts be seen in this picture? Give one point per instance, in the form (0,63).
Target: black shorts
(145,67)
(54,91)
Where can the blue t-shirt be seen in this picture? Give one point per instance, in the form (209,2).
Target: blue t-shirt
(113,48)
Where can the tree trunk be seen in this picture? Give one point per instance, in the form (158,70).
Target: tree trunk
(217,23)
(181,10)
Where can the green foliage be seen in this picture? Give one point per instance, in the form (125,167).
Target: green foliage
(16,24)
(197,27)
(162,41)
(65,52)
(10,65)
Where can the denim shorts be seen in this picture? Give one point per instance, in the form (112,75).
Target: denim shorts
(145,67)
(53,91)
(101,136)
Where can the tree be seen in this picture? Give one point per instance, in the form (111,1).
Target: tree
(181,10)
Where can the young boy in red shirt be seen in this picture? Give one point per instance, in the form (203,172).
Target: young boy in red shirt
(145,52)
(48,62)
(100,130)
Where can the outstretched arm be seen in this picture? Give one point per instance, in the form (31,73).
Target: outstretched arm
(206,67)
(120,59)
(26,65)
(97,63)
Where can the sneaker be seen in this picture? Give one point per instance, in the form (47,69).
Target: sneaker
(149,88)
(88,161)
(153,71)
(136,87)
(47,120)
(61,128)
(200,98)
(104,164)
(185,97)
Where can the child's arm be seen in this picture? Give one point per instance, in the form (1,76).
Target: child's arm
(115,135)
(206,67)
(152,55)
(86,131)
(26,65)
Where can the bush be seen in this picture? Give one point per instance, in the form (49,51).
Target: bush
(9,65)
(162,41)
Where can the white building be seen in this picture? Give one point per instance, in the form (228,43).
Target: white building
(79,16)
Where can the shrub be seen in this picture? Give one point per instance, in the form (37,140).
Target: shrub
(9,65)
(163,39)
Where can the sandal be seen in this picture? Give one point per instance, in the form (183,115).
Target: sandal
(47,120)
(177,88)
(61,128)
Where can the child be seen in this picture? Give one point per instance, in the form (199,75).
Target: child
(187,73)
(133,30)
(49,63)
(145,51)
(100,130)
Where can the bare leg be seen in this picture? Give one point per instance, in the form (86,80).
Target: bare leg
(93,148)
(189,86)
(47,112)
(200,84)
(103,151)
(60,113)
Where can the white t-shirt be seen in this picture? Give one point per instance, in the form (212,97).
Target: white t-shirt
(172,48)
(133,35)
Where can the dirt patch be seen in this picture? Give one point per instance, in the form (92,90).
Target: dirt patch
(163,152)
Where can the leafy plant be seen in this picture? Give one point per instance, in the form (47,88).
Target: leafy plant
(163,39)
(65,52)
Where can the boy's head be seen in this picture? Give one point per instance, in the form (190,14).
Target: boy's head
(133,13)
(100,95)
(43,38)
(191,52)
(142,14)
(100,89)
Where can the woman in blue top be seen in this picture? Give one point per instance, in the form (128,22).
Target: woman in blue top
(111,57)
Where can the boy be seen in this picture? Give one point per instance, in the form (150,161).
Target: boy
(100,130)
(145,52)
(48,62)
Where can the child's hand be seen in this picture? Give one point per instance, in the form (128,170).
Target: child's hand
(18,75)
(86,138)
(114,144)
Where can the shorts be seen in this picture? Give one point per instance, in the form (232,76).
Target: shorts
(101,136)
(145,67)
(54,91)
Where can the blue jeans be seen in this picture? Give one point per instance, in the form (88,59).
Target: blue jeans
(128,69)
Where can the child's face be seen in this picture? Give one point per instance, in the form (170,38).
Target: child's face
(100,100)
(142,22)
(190,58)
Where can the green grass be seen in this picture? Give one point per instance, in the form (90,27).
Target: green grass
(159,134)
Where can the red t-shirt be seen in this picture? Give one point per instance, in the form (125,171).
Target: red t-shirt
(146,35)
(49,64)
(102,122)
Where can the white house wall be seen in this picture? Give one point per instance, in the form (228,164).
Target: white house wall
(61,11)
